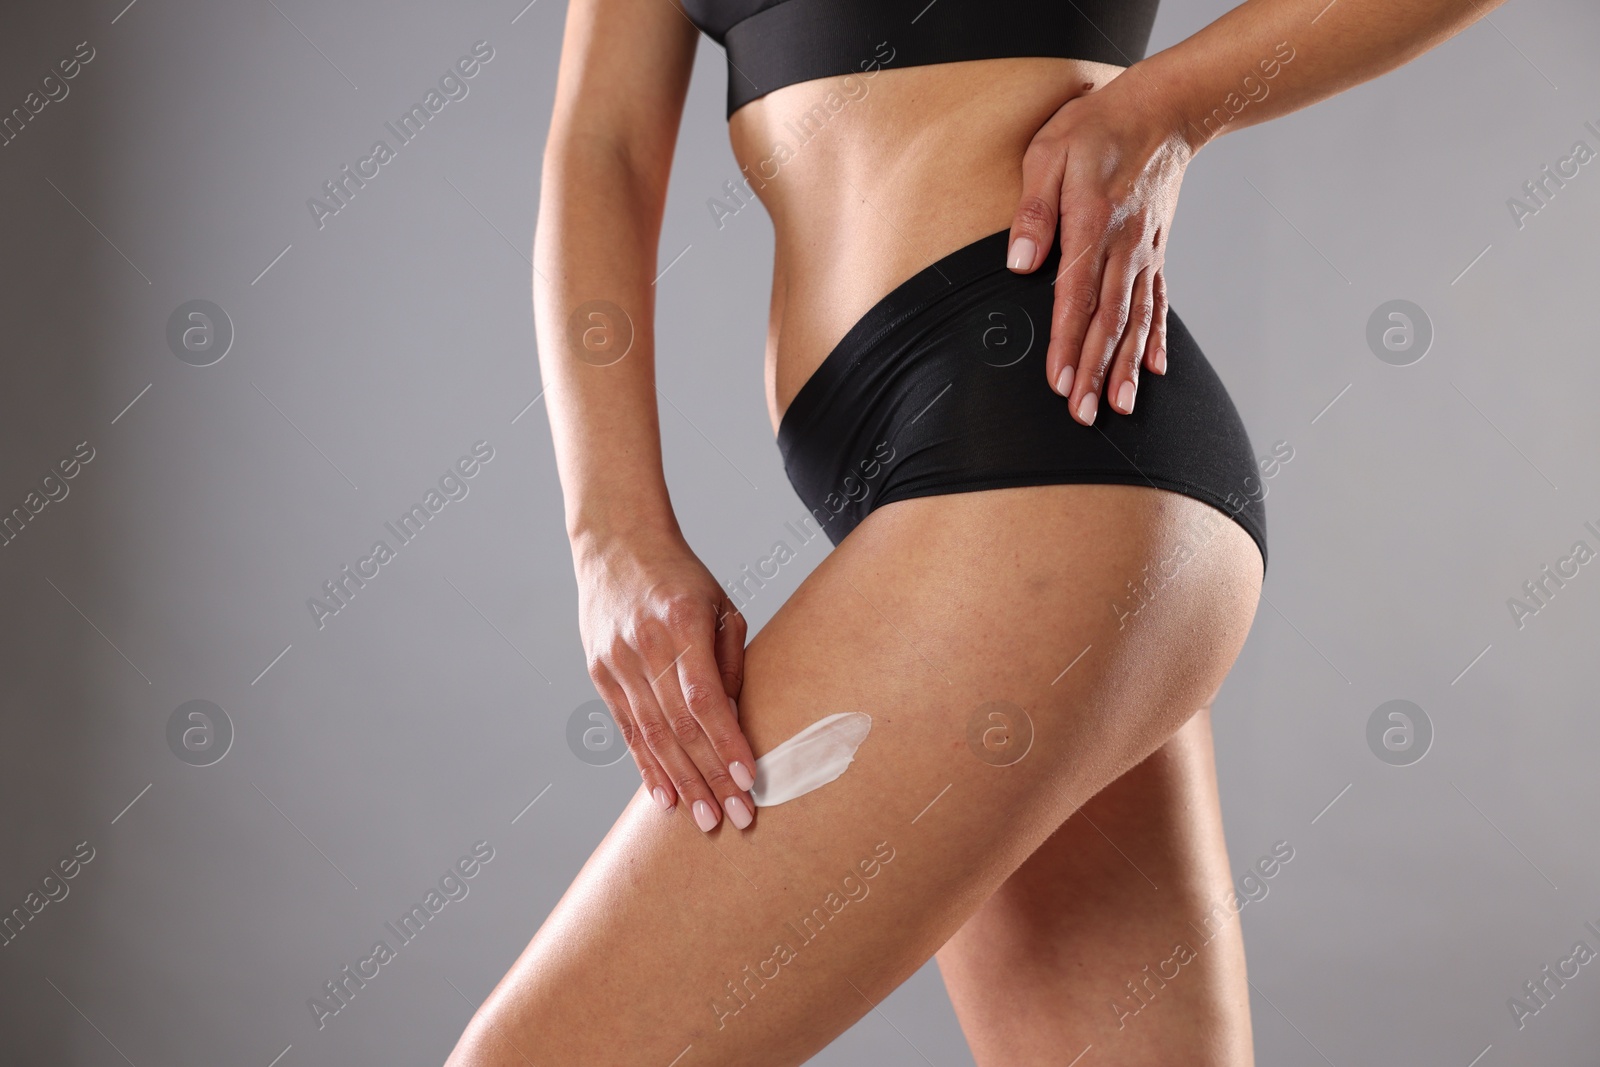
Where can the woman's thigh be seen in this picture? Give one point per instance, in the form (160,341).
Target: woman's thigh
(1105,938)
(759,947)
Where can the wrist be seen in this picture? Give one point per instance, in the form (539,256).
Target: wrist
(596,534)
(1160,96)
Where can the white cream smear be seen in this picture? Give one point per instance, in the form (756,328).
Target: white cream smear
(810,759)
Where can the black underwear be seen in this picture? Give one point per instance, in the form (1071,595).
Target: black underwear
(940,388)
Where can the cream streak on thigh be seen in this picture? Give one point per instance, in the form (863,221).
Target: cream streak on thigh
(810,759)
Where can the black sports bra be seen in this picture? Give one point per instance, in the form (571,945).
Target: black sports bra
(773,43)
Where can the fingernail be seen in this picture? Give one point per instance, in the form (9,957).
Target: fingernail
(737,812)
(1064,381)
(1021,256)
(705,816)
(734,704)
(741,775)
(1125,397)
(662,799)
(1087,407)
(1161,360)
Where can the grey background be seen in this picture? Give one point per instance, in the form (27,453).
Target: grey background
(431,711)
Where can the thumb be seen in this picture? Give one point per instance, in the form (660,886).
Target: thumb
(730,647)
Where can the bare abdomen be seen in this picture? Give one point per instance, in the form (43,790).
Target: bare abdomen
(871,177)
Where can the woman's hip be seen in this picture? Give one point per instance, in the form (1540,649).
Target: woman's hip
(940,388)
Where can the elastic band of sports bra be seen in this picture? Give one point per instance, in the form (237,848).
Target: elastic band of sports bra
(801,40)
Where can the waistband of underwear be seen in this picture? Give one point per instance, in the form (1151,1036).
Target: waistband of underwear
(939,283)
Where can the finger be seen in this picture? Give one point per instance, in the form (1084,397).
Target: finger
(1123,384)
(656,781)
(714,785)
(1155,350)
(660,735)
(1077,294)
(1100,340)
(690,692)
(729,652)
(732,768)
(1033,225)
(731,630)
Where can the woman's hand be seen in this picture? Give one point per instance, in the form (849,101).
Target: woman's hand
(665,648)
(1106,167)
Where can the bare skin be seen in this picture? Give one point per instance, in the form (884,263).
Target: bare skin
(631,966)
(917,163)
(932,607)
(1118,933)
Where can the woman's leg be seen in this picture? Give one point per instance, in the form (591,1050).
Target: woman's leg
(1109,937)
(759,947)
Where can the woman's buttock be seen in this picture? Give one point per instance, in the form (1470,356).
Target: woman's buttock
(870,177)
(904,359)
(940,388)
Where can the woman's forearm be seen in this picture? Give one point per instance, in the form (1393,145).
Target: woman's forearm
(1266,58)
(599,223)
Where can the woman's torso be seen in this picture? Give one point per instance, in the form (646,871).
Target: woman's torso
(870,177)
